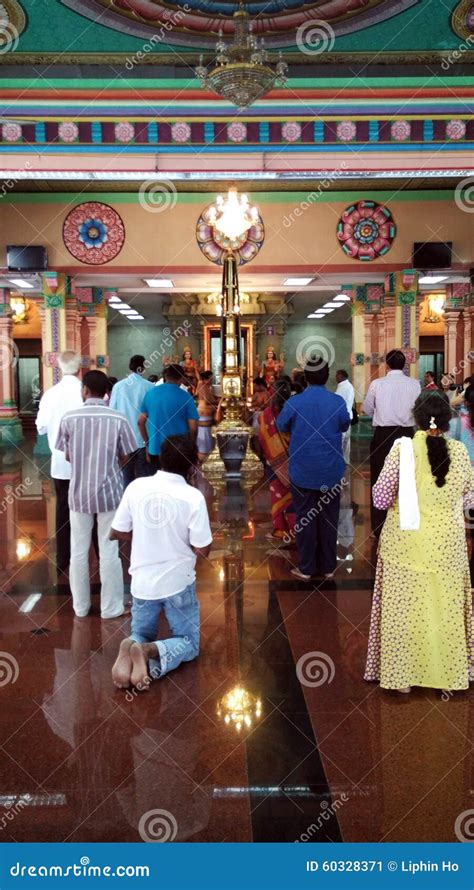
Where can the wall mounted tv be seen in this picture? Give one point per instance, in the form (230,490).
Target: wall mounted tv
(27,259)
(430,255)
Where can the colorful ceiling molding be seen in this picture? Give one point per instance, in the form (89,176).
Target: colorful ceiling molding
(198,23)
(463,19)
(132,135)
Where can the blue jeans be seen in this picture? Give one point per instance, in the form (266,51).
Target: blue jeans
(136,467)
(182,614)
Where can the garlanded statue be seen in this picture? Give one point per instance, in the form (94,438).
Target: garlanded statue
(271,367)
(190,369)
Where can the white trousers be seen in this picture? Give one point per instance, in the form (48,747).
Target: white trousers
(111,576)
(346,445)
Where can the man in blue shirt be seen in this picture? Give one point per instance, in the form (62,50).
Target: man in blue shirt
(127,397)
(315,419)
(167,410)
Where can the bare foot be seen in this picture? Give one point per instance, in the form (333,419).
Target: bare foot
(122,669)
(140,652)
(405,690)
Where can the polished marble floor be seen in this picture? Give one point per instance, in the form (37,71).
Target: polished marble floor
(330,757)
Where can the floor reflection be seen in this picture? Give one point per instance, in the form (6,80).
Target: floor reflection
(83,761)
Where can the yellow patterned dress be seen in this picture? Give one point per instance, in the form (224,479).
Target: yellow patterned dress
(421,623)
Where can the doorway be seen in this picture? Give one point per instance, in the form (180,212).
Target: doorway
(212,352)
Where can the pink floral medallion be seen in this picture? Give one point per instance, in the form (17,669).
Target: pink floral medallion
(346,131)
(124,132)
(181,132)
(68,131)
(366,231)
(291,131)
(237,131)
(455,129)
(93,233)
(400,131)
(11,132)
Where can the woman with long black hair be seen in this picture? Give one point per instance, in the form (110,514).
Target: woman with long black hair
(421,626)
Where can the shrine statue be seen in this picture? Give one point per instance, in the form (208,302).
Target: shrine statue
(190,369)
(271,368)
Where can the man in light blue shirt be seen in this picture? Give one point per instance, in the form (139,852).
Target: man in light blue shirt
(127,397)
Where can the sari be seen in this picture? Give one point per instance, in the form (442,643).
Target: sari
(274,446)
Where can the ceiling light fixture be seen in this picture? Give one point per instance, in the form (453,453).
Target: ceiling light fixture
(158,282)
(241,72)
(120,306)
(432,279)
(115,300)
(296,282)
(136,317)
(317,315)
(341,298)
(332,305)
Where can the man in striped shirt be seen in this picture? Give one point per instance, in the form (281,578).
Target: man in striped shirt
(96,441)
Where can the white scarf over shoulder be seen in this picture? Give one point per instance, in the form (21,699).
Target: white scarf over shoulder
(407,494)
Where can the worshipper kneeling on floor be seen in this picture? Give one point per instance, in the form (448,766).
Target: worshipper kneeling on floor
(168,524)
(421,626)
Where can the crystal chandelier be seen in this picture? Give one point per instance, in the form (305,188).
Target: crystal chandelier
(244,71)
(232,216)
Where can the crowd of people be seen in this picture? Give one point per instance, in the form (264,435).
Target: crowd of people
(122,458)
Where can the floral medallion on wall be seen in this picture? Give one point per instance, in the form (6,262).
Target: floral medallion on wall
(124,132)
(68,131)
(455,130)
(216,246)
(237,131)
(94,233)
(291,131)
(346,131)
(400,131)
(181,132)
(366,231)
(11,132)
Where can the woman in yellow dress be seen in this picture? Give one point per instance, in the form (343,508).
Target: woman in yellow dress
(421,626)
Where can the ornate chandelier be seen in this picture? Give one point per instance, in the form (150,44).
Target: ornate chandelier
(243,72)
(233,216)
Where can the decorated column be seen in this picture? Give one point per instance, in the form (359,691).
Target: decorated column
(400,309)
(92,303)
(10,426)
(53,322)
(366,307)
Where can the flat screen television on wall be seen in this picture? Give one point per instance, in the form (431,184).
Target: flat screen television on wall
(430,255)
(27,259)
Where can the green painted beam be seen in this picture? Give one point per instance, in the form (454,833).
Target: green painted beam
(262,197)
(294,83)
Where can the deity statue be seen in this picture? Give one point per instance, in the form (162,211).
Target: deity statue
(190,369)
(271,367)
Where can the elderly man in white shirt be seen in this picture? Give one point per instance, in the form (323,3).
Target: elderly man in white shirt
(347,392)
(389,401)
(64,396)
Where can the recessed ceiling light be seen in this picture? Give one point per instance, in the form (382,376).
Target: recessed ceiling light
(325,310)
(120,306)
(128,311)
(341,298)
(332,305)
(432,279)
(115,300)
(136,317)
(296,282)
(158,282)
(20,282)
(317,315)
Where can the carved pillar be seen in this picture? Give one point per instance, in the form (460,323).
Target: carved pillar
(381,327)
(468,332)
(53,324)
(10,426)
(451,322)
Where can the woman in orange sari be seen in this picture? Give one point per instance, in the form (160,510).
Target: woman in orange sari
(274,446)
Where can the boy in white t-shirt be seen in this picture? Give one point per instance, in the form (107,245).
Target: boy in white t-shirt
(168,523)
